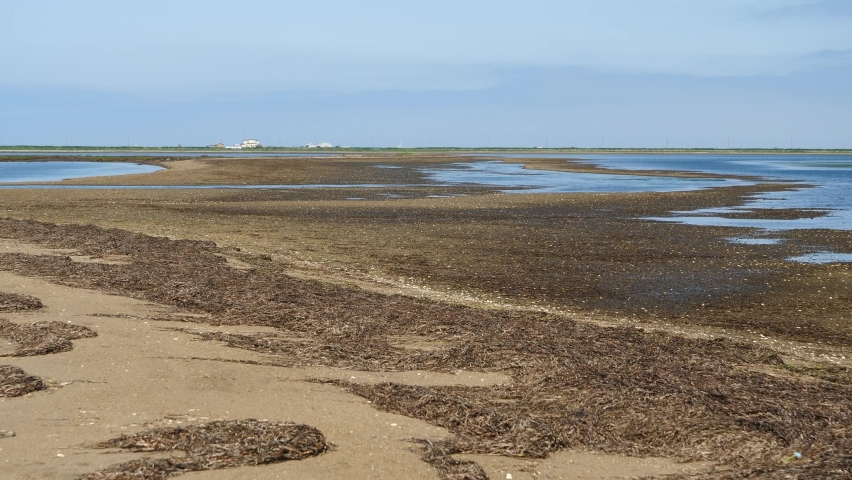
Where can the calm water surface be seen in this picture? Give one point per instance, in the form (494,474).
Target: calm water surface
(518,179)
(826,186)
(13,172)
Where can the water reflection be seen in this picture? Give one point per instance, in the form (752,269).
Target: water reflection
(11,172)
(823,257)
(517,179)
(826,182)
(754,241)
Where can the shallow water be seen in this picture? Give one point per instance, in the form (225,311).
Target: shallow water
(826,182)
(11,172)
(826,185)
(754,241)
(823,257)
(513,177)
(518,179)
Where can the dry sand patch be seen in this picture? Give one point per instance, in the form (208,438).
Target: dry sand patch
(571,465)
(140,373)
(10,245)
(14,246)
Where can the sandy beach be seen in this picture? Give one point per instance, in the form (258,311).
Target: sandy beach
(452,333)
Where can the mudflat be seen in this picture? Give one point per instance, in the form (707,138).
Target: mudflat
(472,335)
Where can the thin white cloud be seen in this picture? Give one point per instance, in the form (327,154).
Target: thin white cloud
(333,45)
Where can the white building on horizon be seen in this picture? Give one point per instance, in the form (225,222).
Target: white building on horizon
(250,143)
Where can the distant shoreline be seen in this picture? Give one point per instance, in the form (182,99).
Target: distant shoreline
(431,150)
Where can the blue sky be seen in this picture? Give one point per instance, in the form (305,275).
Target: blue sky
(617,73)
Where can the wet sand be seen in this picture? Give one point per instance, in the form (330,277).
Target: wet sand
(575,256)
(562,251)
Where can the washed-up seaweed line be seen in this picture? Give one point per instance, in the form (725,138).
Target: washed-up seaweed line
(615,390)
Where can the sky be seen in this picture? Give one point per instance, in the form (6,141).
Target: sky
(461,73)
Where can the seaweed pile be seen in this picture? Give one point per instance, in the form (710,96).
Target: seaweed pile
(439,455)
(15,302)
(15,382)
(614,390)
(212,446)
(42,338)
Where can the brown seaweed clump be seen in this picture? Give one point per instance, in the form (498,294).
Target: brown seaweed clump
(43,338)
(15,382)
(212,446)
(16,302)
(438,454)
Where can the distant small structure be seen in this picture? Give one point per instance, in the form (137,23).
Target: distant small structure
(218,145)
(250,143)
(319,145)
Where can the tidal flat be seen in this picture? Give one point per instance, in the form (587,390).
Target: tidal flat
(592,328)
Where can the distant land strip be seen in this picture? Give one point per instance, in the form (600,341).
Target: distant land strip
(484,150)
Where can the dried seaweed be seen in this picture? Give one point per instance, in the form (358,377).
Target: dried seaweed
(746,435)
(831,465)
(212,446)
(574,385)
(831,373)
(16,302)
(15,382)
(42,338)
(439,455)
